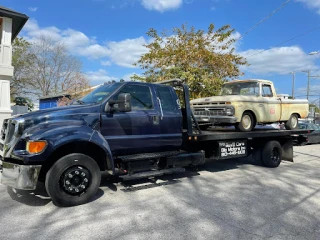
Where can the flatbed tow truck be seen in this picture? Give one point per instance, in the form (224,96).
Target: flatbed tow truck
(130,129)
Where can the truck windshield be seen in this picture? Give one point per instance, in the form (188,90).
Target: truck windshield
(99,94)
(240,88)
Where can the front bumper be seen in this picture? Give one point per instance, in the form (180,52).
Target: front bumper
(24,177)
(216,119)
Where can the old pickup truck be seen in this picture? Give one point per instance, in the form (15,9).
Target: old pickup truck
(245,103)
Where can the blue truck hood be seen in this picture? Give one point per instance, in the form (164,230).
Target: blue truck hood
(78,114)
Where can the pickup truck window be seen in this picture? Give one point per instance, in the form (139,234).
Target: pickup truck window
(240,88)
(141,98)
(266,91)
(99,94)
(166,98)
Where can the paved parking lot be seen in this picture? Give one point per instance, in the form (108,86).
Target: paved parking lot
(223,200)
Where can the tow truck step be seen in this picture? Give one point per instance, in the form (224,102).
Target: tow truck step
(138,157)
(155,173)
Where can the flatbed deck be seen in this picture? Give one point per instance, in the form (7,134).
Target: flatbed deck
(230,134)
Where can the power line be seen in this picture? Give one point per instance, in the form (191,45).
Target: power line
(311,30)
(256,25)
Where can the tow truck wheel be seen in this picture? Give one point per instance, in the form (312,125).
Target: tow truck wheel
(292,123)
(272,154)
(246,123)
(73,180)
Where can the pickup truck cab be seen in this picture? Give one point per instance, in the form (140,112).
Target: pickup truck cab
(129,129)
(245,103)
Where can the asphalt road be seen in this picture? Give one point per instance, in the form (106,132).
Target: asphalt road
(223,200)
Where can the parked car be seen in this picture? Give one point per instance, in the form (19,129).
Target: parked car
(246,103)
(308,138)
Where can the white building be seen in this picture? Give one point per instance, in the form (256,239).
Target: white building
(11,23)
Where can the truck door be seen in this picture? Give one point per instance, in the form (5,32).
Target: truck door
(137,131)
(170,118)
(272,108)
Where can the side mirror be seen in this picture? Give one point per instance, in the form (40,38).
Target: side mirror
(109,106)
(124,102)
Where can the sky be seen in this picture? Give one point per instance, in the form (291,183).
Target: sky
(108,35)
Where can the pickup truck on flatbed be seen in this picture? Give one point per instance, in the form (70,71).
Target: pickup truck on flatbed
(130,129)
(245,103)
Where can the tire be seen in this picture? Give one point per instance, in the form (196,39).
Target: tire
(247,122)
(292,123)
(67,191)
(272,154)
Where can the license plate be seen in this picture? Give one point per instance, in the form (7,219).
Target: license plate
(230,149)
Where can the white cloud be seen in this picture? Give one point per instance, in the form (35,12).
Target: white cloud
(32,9)
(98,77)
(105,63)
(126,52)
(280,60)
(312,4)
(161,5)
(123,53)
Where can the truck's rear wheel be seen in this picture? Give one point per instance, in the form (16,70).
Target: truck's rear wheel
(246,123)
(272,154)
(73,180)
(292,123)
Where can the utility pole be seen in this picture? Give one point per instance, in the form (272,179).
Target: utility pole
(308,86)
(293,75)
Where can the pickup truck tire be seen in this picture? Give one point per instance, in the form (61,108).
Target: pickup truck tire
(292,123)
(73,180)
(247,122)
(271,154)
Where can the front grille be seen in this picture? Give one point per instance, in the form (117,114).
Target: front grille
(210,111)
(208,103)
(7,130)
(4,129)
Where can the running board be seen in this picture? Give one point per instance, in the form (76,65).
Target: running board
(138,157)
(155,173)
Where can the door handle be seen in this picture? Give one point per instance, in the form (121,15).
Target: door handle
(155,119)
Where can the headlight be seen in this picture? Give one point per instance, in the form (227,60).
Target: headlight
(229,111)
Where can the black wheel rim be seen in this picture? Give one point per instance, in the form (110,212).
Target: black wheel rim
(275,155)
(75,180)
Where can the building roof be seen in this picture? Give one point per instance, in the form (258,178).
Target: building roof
(18,20)
(55,96)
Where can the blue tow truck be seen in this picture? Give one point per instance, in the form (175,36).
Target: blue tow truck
(130,129)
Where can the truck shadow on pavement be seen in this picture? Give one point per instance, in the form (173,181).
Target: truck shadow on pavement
(115,184)
(39,197)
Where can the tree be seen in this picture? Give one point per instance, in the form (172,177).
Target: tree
(21,101)
(45,67)
(54,70)
(22,60)
(205,59)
